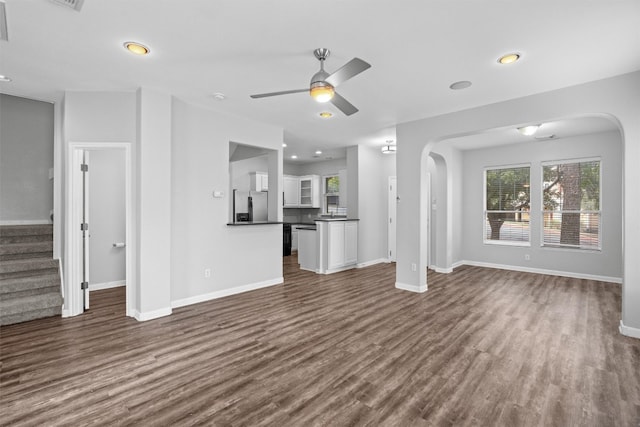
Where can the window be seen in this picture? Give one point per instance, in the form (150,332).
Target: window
(332,195)
(507,202)
(571,204)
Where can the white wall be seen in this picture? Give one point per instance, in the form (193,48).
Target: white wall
(241,169)
(325,167)
(374,170)
(90,117)
(240,257)
(617,98)
(26,154)
(106,217)
(607,263)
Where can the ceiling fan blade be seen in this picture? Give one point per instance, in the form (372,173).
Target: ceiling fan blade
(343,105)
(348,70)
(284,92)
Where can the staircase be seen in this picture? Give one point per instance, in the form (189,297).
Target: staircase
(29,276)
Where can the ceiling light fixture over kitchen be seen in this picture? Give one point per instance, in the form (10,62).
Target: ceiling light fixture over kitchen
(528,130)
(218,96)
(318,152)
(390,148)
(509,58)
(294,156)
(137,48)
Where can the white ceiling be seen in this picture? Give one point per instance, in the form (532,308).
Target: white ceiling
(417,48)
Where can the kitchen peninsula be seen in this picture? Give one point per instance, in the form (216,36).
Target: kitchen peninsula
(330,246)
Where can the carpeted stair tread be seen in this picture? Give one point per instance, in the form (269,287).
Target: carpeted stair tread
(27,264)
(30,303)
(12,285)
(22,250)
(26,230)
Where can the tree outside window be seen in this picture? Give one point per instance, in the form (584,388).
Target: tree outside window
(507,204)
(571,199)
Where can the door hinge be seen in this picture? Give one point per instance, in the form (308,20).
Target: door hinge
(84,226)
(84,167)
(84,285)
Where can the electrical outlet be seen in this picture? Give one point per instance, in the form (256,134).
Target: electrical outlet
(207,273)
(527,257)
(413,267)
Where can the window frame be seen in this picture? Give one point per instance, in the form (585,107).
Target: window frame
(560,247)
(486,241)
(325,205)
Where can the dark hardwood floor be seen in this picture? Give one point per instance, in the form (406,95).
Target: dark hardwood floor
(482,347)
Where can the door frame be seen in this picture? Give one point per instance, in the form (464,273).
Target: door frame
(392,219)
(73,304)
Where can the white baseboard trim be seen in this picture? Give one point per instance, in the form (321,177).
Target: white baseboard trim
(443,270)
(226,292)
(66,313)
(107,285)
(411,288)
(26,222)
(629,331)
(150,315)
(372,262)
(544,271)
(337,270)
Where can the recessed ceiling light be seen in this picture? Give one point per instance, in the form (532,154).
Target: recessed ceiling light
(219,96)
(463,84)
(528,130)
(294,156)
(284,144)
(325,114)
(318,152)
(137,48)
(4,78)
(509,58)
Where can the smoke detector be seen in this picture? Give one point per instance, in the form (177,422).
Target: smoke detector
(73,4)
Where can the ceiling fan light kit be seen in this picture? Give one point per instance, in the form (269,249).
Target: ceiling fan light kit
(323,84)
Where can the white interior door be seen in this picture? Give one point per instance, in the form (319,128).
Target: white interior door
(391,224)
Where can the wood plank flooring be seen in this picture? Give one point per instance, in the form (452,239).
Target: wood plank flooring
(481,347)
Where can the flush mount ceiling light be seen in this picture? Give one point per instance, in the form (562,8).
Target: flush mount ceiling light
(137,48)
(528,130)
(509,58)
(460,85)
(4,78)
(325,114)
(219,96)
(389,148)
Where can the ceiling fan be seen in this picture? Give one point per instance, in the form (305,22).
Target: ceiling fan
(323,84)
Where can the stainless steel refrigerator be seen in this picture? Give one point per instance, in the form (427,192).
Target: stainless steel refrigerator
(252,203)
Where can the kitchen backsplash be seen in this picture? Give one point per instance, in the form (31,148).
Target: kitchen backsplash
(299,215)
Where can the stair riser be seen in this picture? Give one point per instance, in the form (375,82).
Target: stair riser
(26,230)
(29,292)
(27,273)
(34,265)
(8,286)
(6,240)
(8,257)
(30,315)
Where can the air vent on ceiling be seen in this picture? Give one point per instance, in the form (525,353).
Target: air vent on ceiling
(3,23)
(73,4)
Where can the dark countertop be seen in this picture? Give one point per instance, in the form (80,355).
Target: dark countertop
(336,219)
(307,228)
(233,224)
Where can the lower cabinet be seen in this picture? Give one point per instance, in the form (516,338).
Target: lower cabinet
(338,245)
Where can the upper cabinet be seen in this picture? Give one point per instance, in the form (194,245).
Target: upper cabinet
(291,191)
(310,191)
(302,191)
(259,181)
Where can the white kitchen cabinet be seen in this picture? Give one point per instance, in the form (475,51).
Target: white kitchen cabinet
(294,239)
(337,245)
(259,181)
(291,191)
(310,191)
